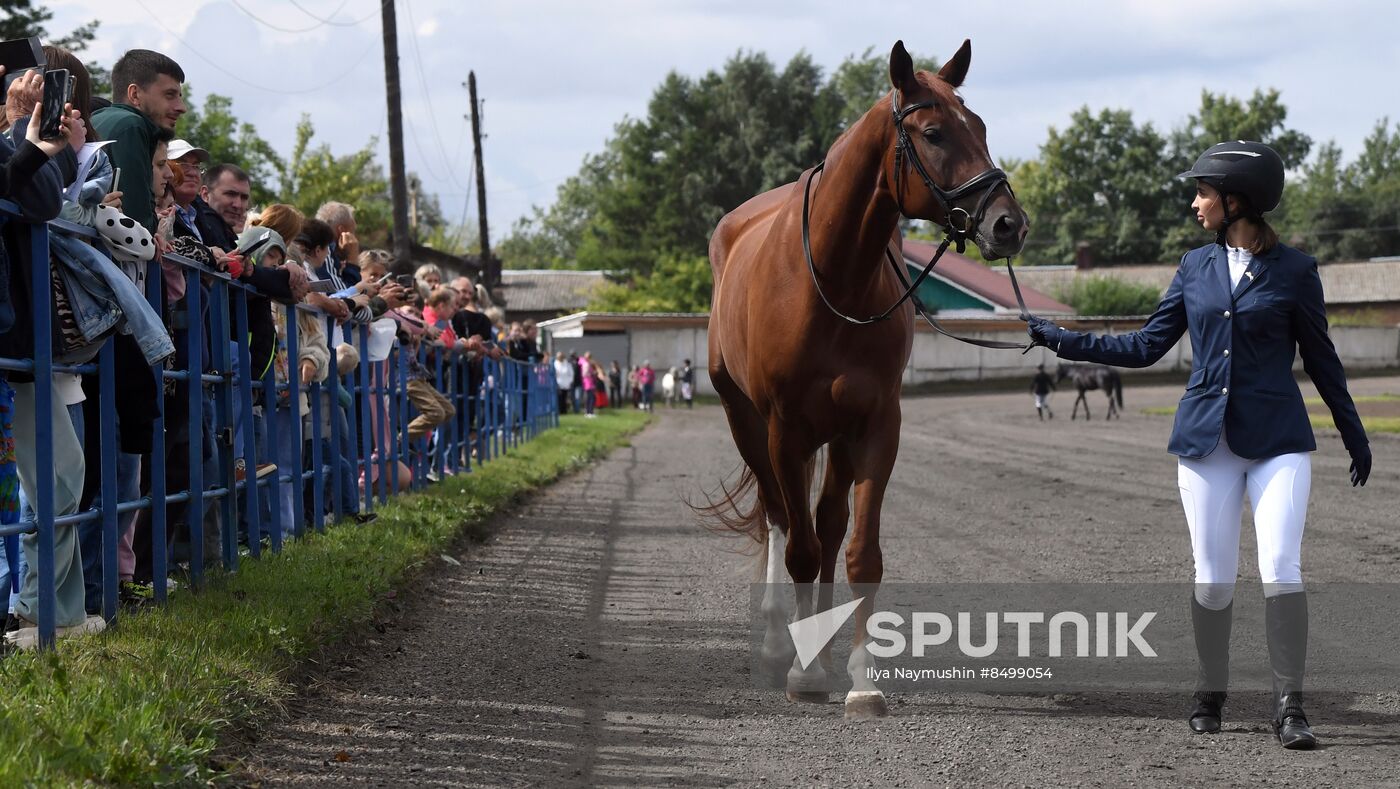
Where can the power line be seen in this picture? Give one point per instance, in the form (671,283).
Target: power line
(427,97)
(239,78)
(372,15)
(279,29)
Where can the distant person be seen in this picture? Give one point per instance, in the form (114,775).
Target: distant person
(688,384)
(615,384)
(1041,386)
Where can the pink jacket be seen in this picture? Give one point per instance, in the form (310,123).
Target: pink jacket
(586,368)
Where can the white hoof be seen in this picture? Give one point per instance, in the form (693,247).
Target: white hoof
(866,705)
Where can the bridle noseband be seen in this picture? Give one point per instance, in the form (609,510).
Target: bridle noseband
(958,225)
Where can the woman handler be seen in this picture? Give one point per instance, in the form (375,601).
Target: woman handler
(1248,302)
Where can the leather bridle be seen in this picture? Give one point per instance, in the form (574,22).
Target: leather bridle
(958,225)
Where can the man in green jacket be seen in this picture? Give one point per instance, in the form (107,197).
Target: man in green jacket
(147,97)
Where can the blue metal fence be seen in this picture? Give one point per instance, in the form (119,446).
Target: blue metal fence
(498,404)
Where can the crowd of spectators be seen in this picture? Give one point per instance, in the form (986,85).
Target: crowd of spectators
(584,385)
(128,289)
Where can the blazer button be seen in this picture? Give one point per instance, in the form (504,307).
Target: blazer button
(1227,313)
(1227,351)
(1224,390)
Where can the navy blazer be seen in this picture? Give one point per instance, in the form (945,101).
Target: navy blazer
(1242,349)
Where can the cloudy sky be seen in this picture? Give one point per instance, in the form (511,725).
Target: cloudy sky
(557,75)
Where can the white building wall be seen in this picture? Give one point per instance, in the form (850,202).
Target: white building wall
(936,358)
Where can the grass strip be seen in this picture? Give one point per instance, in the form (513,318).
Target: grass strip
(1373,424)
(147,702)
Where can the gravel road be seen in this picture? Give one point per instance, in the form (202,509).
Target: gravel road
(600,635)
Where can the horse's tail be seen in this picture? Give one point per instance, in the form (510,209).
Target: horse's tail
(1118,390)
(725,511)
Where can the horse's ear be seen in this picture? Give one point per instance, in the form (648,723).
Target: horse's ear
(955,70)
(901,68)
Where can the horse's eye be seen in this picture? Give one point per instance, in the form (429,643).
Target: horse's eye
(933,136)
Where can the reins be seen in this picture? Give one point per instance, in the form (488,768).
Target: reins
(988,181)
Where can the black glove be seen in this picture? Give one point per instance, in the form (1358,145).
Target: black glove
(1360,465)
(1043,332)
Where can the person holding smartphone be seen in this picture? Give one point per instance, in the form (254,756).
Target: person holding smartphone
(33,173)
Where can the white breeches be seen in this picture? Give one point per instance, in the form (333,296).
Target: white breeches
(1212,493)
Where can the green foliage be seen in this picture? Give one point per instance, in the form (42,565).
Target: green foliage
(22,18)
(1340,211)
(147,703)
(314,176)
(217,130)
(1099,180)
(676,284)
(644,207)
(1109,296)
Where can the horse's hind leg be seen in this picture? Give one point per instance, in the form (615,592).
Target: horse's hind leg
(865,565)
(789,456)
(833,512)
(750,432)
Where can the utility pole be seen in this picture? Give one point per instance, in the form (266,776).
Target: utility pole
(398,187)
(490,267)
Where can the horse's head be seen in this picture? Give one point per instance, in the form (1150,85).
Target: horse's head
(944,143)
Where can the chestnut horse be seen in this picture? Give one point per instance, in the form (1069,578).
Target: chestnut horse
(795,374)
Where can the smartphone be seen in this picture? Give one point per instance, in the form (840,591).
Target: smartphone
(21,54)
(19,57)
(384,279)
(116,179)
(56,96)
(321,286)
(405,281)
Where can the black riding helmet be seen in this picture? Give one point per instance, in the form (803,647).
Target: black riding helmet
(1252,170)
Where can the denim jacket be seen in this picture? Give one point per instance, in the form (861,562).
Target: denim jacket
(101,295)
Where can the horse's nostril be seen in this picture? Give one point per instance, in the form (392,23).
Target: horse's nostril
(1004,227)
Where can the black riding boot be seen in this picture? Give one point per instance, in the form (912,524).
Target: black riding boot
(1040,413)
(1286,622)
(1212,629)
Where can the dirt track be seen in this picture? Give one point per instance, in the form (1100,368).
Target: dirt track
(600,637)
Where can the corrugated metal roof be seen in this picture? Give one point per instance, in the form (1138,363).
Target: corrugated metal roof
(541,290)
(988,283)
(1342,283)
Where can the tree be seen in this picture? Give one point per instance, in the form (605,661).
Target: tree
(654,194)
(22,19)
(1339,211)
(1100,180)
(228,140)
(314,176)
(677,284)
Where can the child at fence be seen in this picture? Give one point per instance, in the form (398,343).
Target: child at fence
(434,409)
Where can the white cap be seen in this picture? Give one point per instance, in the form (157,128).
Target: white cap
(179,149)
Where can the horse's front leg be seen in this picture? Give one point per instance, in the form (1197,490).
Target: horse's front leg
(865,566)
